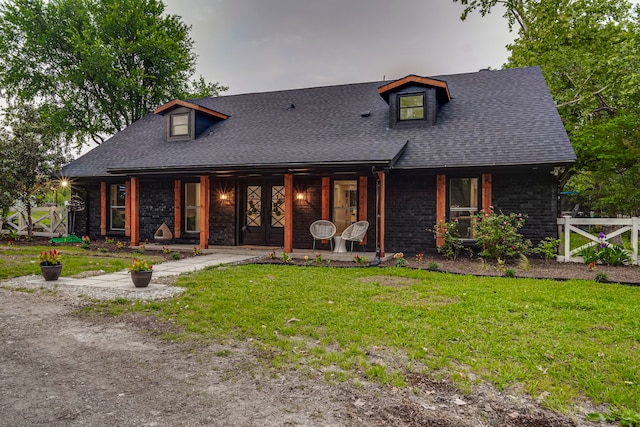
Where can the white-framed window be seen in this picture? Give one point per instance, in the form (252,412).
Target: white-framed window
(463,203)
(179,124)
(192,207)
(117,200)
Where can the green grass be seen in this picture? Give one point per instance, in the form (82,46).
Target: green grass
(558,340)
(23,260)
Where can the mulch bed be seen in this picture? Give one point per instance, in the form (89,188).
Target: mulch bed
(538,268)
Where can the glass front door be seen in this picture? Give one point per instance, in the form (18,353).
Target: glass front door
(263,214)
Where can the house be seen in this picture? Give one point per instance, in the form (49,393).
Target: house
(259,168)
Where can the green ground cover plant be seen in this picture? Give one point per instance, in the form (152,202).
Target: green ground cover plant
(558,341)
(18,261)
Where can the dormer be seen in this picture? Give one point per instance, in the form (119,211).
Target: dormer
(185,121)
(414,100)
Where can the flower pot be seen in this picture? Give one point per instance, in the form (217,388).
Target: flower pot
(51,272)
(141,279)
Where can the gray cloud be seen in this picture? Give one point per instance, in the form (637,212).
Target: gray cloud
(262,45)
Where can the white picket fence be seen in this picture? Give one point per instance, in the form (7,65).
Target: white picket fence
(618,226)
(46,221)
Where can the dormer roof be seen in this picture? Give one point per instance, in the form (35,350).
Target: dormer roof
(442,89)
(163,109)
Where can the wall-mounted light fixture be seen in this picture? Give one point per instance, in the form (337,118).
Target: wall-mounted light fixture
(301,196)
(224,197)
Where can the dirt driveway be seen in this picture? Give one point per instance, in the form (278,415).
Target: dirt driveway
(61,369)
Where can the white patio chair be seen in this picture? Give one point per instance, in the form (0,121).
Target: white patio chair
(322,230)
(355,232)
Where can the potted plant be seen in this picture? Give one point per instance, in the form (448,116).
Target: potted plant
(50,264)
(141,272)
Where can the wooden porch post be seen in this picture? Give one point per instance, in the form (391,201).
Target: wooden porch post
(486,192)
(205,199)
(177,208)
(103,208)
(288,212)
(135,211)
(441,206)
(326,198)
(362,202)
(382,179)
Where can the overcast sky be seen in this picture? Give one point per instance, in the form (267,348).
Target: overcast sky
(265,45)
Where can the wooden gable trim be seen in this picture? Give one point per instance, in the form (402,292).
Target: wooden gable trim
(487,204)
(288,212)
(413,79)
(179,103)
(103,208)
(441,207)
(177,208)
(135,211)
(127,208)
(205,196)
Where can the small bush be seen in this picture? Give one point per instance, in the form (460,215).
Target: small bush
(548,247)
(452,245)
(509,272)
(601,277)
(175,255)
(497,235)
(605,254)
(433,266)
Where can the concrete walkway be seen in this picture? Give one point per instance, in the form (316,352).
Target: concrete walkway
(120,282)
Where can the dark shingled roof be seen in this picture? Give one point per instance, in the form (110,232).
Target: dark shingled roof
(495,118)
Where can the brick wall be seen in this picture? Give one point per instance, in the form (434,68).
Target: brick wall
(410,209)
(534,194)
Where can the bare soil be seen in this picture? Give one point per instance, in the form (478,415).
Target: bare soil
(63,367)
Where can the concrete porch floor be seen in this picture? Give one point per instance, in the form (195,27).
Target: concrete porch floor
(259,251)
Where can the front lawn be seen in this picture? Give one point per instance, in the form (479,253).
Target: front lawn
(558,341)
(19,260)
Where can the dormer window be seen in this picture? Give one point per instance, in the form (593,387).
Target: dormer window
(186,121)
(411,107)
(179,125)
(414,101)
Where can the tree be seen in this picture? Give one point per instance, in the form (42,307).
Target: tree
(587,50)
(95,66)
(31,154)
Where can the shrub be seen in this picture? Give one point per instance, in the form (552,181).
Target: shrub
(510,272)
(497,235)
(452,245)
(433,266)
(548,247)
(615,255)
(605,254)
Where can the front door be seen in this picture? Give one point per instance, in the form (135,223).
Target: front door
(263,214)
